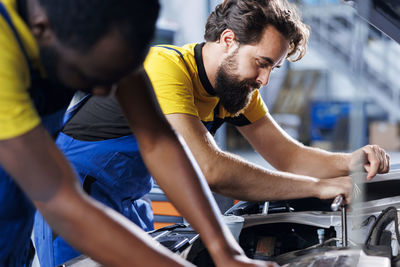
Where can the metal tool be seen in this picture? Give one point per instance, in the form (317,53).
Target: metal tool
(265,207)
(338,202)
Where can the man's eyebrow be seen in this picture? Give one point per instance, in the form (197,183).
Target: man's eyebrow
(269,60)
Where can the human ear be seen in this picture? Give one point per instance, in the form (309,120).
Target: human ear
(39,24)
(228,39)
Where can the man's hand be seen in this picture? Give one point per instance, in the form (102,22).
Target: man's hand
(242,261)
(330,188)
(370,158)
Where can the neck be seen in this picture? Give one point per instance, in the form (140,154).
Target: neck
(211,60)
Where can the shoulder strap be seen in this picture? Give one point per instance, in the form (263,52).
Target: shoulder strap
(7,18)
(73,109)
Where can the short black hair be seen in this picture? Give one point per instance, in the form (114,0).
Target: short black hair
(79,24)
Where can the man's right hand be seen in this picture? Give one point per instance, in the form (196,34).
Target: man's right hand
(243,261)
(330,188)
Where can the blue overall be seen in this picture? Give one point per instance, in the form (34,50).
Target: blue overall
(111,171)
(16,210)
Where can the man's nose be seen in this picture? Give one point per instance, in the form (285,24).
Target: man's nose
(263,76)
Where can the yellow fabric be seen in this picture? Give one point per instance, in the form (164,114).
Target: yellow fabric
(17,112)
(178,87)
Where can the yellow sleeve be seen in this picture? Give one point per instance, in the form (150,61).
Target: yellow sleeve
(17,112)
(171,81)
(256,109)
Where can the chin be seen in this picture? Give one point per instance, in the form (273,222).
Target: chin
(238,113)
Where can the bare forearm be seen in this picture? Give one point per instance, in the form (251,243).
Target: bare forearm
(318,163)
(237,178)
(169,163)
(192,197)
(93,229)
(289,155)
(43,173)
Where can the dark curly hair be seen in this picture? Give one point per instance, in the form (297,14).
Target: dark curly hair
(81,23)
(248,19)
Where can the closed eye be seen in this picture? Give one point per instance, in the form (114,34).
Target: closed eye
(263,64)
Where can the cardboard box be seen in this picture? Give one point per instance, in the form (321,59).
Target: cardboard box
(384,134)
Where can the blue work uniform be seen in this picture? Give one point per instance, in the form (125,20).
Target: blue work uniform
(16,210)
(111,171)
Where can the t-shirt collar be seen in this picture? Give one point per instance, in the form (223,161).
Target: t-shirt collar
(198,55)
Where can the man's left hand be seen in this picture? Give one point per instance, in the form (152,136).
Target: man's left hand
(370,158)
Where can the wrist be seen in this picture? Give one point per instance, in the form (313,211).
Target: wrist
(349,162)
(224,249)
(318,188)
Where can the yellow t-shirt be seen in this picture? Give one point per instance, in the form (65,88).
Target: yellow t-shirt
(181,86)
(17,112)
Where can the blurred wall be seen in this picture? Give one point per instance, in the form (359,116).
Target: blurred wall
(186,17)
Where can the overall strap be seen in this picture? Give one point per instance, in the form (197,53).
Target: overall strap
(7,18)
(217,123)
(72,110)
(213,126)
(49,103)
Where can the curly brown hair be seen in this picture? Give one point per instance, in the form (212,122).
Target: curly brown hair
(249,18)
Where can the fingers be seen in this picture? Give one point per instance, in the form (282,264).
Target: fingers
(269,264)
(246,262)
(347,187)
(331,188)
(387,162)
(380,154)
(348,198)
(356,192)
(373,162)
(377,160)
(349,191)
(340,186)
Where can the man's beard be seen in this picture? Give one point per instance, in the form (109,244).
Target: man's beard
(234,94)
